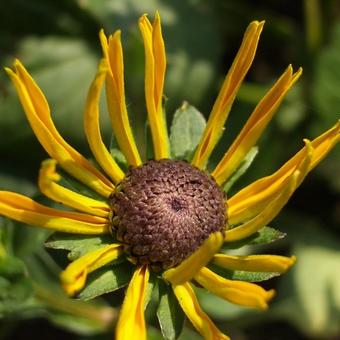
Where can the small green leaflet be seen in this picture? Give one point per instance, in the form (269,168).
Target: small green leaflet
(243,167)
(170,315)
(106,280)
(78,245)
(186,131)
(263,236)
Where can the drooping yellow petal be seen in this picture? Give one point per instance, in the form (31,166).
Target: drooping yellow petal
(227,95)
(73,278)
(250,201)
(131,323)
(39,117)
(48,179)
(115,95)
(200,320)
(255,125)
(155,65)
(186,270)
(255,263)
(24,209)
(92,129)
(238,292)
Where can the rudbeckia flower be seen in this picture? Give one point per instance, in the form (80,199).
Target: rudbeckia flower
(167,217)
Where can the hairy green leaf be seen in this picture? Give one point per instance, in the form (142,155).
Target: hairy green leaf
(170,315)
(186,131)
(106,280)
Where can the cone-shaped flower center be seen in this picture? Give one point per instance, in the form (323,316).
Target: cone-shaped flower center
(164,210)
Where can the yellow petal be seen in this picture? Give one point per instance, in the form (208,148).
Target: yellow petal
(189,267)
(200,320)
(24,209)
(115,95)
(39,117)
(48,179)
(255,263)
(131,323)
(266,215)
(255,125)
(238,292)
(227,95)
(92,129)
(73,278)
(271,209)
(155,65)
(250,201)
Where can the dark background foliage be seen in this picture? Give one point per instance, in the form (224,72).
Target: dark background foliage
(58,42)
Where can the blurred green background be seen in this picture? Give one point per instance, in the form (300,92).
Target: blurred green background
(58,43)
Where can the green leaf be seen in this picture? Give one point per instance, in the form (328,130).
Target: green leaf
(243,167)
(242,275)
(78,245)
(264,236)
(309,295)
(74,185)
(106,280)
(117,155)
(15,287)
(186,131)
(170,315)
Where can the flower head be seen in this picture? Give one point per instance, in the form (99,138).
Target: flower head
(167,217)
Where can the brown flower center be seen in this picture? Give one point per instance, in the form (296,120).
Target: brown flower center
(164,210)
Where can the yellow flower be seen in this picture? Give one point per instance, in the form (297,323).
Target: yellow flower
(143,199)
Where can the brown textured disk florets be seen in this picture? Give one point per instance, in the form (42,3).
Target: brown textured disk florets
(164,210)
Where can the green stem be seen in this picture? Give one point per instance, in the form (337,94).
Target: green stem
(104,315)
(313,24)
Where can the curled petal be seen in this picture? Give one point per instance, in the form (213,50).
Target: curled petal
(237,292)
(48,185)
(249,201)
(23,209)
(155,65)
(131,323)
(255,263)
(39,117)
(200,320)
(227,95)
(92,129)
(115,95)
(73,278)
(255,125)
(186,270)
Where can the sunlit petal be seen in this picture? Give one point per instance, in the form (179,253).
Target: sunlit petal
(115,95)
(189,267)
(227,95)
(73,278)
(269,212)
(38,115)
(24,209)
(131,323)
(255,263)
(92,129)
(255,125)
(155,65)
(48,179)
(200,320)
(250,201)
(238,292)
